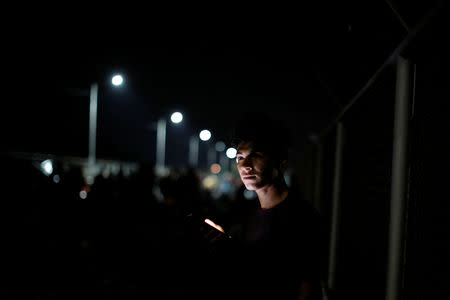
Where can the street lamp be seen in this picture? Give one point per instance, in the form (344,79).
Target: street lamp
(204,135)
(161,132)
(176,117)
(193,151)
(117,80)
(231,153)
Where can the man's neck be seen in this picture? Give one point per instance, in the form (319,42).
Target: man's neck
(272,195)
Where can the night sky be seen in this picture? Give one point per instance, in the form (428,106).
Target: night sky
(301,66)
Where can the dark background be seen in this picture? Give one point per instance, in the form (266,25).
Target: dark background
(301,64)
(311,65)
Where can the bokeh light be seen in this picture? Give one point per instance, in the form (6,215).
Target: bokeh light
(215,168)
(176,117)
(220,146)
(47,167)
(205,135)
(117,80)
(231,152)
(210,182)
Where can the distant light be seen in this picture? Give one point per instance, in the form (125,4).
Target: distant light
(117,80)
(210,182)
(47,167)
(56,178)
(220,146)
(83,194)
(215,168)
(231,152)
(90,179)
(205,135)
(176,117)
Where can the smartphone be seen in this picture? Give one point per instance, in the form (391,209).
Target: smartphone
(211,223)
(206,229)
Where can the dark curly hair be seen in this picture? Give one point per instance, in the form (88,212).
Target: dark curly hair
(267,134)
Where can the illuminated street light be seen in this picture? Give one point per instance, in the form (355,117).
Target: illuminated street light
(194,147)
(205,135)
(117,80)
(176,117)
(161,132)
(231,153)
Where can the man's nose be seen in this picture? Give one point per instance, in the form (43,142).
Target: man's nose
(247,168)
(247,164)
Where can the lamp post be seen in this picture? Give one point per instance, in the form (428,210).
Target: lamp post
(193,151)
(93,105)
(161,132)
(194,145)
(116,80)
(160,144)
(205,135)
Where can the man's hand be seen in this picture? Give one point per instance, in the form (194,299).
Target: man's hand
(213,234)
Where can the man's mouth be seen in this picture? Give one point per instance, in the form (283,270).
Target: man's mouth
(248,177)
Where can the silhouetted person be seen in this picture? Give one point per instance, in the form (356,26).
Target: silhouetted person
(279,254)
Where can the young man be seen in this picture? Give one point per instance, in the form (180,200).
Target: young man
(277,253)
(282,243)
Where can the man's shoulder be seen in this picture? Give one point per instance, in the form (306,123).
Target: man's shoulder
(300,213)
(295,203)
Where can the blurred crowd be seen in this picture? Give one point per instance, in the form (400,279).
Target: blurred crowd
(120,236)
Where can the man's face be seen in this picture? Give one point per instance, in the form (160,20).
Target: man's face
(256,169)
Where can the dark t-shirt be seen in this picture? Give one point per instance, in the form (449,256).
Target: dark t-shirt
(282,246)
(277,250)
